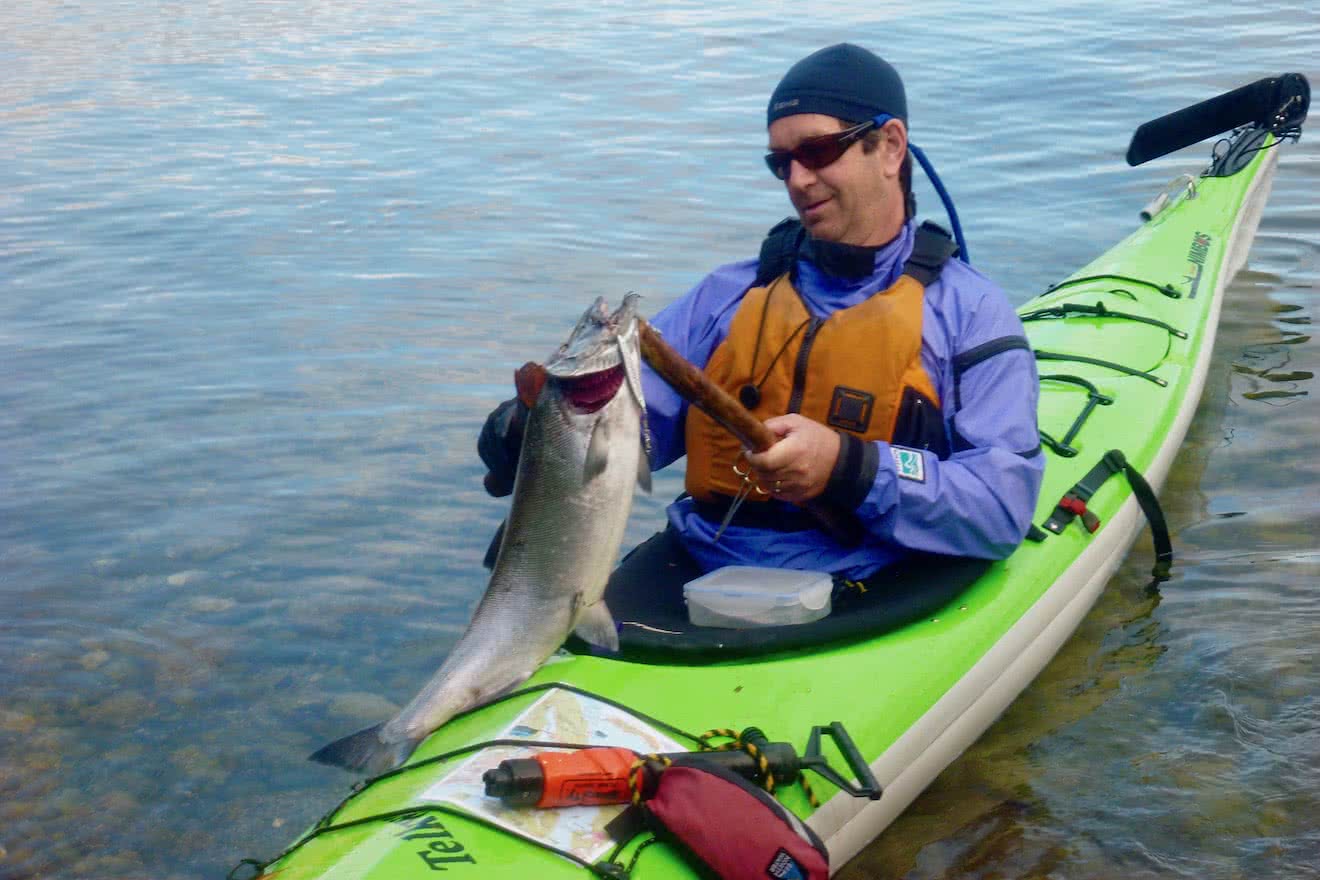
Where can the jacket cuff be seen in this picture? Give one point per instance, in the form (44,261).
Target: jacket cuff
(854,472)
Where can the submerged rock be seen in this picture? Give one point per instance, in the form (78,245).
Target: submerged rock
(363,705)
(184,578)
(94,659)
(211,604)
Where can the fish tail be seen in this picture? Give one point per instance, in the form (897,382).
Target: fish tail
(366,751)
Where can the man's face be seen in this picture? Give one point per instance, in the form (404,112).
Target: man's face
(857,198)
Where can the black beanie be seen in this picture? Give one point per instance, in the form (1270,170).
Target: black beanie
(844,81)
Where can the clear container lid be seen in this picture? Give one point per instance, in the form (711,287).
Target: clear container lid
(753,583)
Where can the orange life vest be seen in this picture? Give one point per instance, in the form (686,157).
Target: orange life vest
(853,371)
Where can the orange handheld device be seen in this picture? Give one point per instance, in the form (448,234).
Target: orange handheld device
(586,777)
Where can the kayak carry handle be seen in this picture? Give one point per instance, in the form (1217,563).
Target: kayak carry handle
(1276,103)
(866,786)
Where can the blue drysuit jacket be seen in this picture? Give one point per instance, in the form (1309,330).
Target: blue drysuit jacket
(978,502)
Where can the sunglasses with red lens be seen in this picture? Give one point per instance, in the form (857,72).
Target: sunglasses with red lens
(815,153)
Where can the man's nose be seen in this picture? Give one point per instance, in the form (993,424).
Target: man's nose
(799,175)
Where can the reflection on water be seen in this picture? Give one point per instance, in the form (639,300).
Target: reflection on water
(266,266)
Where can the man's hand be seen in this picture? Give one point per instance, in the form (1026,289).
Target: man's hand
(500,444)
(797,468)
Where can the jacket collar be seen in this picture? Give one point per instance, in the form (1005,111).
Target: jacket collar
(851,264)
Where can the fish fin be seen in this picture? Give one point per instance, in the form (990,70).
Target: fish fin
(598,452)
(529,379)
(595,625)
(365,751)
(644,471)
(493,550)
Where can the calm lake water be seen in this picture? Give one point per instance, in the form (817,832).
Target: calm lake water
(266,266)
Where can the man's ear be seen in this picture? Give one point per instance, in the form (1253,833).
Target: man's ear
(894,147)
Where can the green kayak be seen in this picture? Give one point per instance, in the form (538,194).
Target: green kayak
(1123,346)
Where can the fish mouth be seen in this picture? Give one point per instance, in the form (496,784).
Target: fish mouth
(589,392)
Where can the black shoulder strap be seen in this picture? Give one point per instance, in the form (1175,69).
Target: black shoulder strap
(779,250)
(931,249)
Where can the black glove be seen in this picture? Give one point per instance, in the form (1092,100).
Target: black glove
(499,445)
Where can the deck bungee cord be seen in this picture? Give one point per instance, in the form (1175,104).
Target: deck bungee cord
(1099,310)
(1167,289)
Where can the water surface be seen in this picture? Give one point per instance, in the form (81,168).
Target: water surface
(266,266)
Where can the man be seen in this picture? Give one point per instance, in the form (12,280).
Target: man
(897,380)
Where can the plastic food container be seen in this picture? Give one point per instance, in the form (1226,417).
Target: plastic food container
(745,596)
